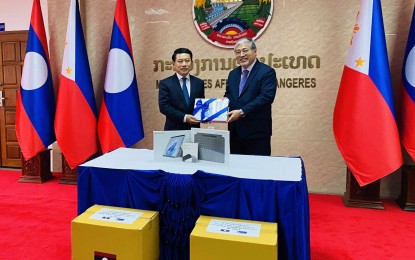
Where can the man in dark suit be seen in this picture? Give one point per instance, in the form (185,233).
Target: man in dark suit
(177,93)
(251,90)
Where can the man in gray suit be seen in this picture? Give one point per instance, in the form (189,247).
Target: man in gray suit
(177,93)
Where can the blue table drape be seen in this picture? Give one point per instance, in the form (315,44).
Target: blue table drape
(182,198)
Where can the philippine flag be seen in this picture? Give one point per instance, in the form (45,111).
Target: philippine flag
(120,122)
(408,98)
(364,118)
(76,114)
(35,109)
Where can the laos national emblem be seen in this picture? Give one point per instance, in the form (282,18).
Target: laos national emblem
(224,22)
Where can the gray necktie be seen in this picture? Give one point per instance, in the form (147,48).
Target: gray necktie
(243,80)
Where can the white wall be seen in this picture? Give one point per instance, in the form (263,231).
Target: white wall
(16,14)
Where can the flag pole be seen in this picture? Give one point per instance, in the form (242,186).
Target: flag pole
(35,97)
(357,196)
(406,199)
(37,168)
(69,176)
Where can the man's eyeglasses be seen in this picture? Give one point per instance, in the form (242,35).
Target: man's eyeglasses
(242,52)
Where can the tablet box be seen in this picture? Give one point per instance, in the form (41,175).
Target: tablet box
(225,239)
(115,233)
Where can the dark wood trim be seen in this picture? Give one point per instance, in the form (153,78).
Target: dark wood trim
(37,169)
(14,32)
(69,176)
(406,199)
(367,196)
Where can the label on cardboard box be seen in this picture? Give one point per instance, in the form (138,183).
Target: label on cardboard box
(116,216)
(234,228)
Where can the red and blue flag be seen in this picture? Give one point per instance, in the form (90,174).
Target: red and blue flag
(364,120)
(408,98)
(76,113)
(120,121)
(35,108)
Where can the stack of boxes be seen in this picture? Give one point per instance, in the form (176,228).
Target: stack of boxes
(104,232)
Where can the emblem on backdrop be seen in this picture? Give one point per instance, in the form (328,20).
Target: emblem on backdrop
(224,22)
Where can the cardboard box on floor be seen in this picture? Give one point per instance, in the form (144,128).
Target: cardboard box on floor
(226,239)
(115,233)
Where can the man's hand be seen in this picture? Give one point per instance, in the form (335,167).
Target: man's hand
(234,115)
(192,120)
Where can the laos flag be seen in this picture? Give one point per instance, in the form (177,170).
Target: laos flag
(120,122)
(35,109)
(76,115)
(408,97)
(364,121)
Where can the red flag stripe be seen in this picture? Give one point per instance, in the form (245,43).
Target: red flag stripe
(37,24)
(75,118)
(408,117)
(107,131)
(26,132)
(365,129)
(122,21)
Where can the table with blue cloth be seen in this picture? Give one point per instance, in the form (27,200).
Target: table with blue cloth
(260,188)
